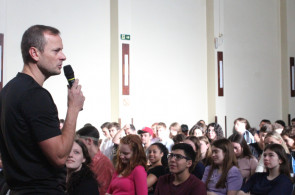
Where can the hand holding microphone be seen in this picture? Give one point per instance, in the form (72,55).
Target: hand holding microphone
(75,95)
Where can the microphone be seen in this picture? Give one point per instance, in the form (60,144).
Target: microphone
(69,73)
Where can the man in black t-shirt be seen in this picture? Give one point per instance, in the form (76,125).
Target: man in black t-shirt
(33,148)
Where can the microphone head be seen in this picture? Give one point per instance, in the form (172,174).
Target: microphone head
(69,73)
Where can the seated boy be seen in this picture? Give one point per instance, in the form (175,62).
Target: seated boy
(180,181)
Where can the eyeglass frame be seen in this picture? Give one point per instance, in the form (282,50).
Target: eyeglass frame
(178,157)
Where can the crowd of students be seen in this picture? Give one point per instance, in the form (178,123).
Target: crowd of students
(179,160)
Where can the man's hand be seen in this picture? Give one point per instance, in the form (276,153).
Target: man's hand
(75,97)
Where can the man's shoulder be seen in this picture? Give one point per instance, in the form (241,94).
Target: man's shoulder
(101,160)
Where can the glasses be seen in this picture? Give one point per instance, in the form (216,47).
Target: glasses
(177,157)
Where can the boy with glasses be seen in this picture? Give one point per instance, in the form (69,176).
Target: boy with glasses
(180,181)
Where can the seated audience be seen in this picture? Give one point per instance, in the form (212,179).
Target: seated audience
(113,128)
(80,179)
(146,135)
(257,147)
(174,129)
(278,128)
(180,181)
(277,178)
(184,129)
(281,122)
(274,138)
(179,138)
(262,122)
(214,132)
(289,139)
(154,128)
(130,177)
(197,131)
(163,136)
(242,127)
(126,130)
(206,152)
(101,165)
(157,155)
(246,162)
(198,166)
(223,176)
(106,146)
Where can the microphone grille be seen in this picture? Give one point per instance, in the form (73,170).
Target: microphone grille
(69,73)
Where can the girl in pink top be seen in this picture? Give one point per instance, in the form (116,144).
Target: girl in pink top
(246,161)
(130,177)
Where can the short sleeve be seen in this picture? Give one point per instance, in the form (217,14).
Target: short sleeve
(234,179)
(157,171)
(283,185)
(205,175)
(41,114)
(249,184)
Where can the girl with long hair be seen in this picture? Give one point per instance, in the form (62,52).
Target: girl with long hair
(130,177)
(198,166)
(80,179)
(157,155)
(214,132)
(246,161)
(289,138)
(206,151)
(223,176)
(274,138)
(277,178)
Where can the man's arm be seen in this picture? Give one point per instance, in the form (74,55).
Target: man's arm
(57,148)
(117,137)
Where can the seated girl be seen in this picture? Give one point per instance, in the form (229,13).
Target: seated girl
(247,163)
(206,151)
(214,132)
(289,139)
(198,166)
(277,178)
(80,178)
(157,155)
(223,176)
(275,138)
(130,177)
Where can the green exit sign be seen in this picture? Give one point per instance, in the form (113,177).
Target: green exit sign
(125,37)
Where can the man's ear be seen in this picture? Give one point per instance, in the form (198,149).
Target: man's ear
(89,141)
(34,53)
(189,163)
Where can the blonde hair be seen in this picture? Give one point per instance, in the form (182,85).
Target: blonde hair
(278,137)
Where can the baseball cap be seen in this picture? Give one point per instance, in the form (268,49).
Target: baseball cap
(146,130)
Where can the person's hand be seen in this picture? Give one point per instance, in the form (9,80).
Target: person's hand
(75,96)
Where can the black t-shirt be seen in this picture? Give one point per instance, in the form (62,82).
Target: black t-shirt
(28,116)
(157,171)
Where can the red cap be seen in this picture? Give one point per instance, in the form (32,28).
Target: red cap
(146,130)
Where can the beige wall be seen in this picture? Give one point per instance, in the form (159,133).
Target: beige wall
(168,57)
(85,29)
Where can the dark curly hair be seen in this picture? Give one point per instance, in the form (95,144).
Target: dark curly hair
(163,150)
(218,130)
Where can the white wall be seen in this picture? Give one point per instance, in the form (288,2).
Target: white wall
(85,29)
(252,68)
(168,56)
(168,62)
